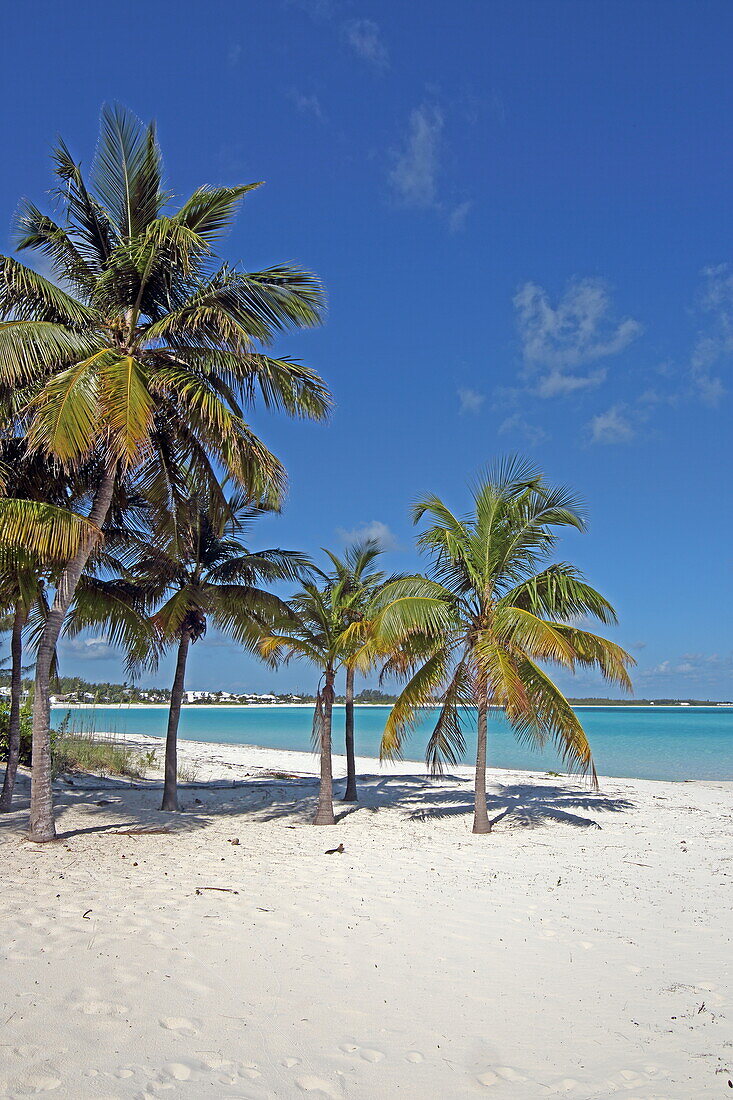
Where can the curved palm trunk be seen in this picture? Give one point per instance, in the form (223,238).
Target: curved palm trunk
(324,810)
(480,816)
(170,786)
(350,794)
(16,688)
(42,825)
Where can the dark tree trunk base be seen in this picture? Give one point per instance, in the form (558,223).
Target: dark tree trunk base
(16,688)
(350,795)
(170,783)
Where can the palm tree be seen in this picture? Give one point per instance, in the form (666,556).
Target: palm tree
(196,572)
(21,589)
(358,584)
(476,633)
(314,629)
(31,482)
(142,352)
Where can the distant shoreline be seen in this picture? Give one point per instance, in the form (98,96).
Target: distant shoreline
(309,706)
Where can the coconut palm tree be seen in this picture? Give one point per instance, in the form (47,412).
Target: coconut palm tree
(477,632)
(358,584)
(31,481)
(315,630)
(195,571)
(21,589)
(142,351)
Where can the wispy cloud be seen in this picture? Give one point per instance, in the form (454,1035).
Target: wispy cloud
(558,384)
(414,175)
(307,104)
(615,425)
(89,649)
(705,668)
(470,401)
(318,10)
(365,39)
(375,529)
(458,215)
(532,434)
(559,342)
(715,343)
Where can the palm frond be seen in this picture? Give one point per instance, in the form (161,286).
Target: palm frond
(52,533)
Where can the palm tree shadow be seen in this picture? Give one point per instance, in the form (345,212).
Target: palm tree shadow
(530,804)
(523,804)
(265,797)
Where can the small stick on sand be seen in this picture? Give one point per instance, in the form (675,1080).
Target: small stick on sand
(221,889)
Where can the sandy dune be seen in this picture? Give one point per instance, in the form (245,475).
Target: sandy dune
(582,950)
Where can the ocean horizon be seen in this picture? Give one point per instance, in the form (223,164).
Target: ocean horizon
(665,742)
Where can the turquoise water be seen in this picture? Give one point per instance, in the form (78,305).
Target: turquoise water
(640,742)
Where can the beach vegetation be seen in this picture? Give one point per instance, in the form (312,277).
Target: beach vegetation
(316,630)
(190,572)
(358,583)
(136,358)
(480,630)
(80,751)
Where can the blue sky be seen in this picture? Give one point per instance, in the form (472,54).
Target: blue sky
(522,213)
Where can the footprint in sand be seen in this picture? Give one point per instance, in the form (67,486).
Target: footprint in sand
(179,1071)
(289,1063)
(367,1053)
(180,1024)
(509,1074)
(101,1008)
(501,1074)
(316,1084)
(488,1078)
(414,1056)
(38,1082)
(249,1071)
(370,1055)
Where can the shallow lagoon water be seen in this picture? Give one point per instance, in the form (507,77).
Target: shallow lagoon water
(641,742)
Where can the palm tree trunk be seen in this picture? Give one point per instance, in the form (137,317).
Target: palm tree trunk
(350,794)
(480,816)
(324,810)
(16,688)
(42,825)
(170,785)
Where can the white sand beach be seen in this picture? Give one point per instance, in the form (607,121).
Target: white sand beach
(581,950)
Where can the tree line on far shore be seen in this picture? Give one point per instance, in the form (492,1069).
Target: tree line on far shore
(132,479)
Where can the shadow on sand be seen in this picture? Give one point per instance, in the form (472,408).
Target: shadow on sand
(269,796)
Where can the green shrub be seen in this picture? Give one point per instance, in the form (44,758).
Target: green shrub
(87,752)
(26,731)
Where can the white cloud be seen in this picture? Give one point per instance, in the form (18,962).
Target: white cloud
(705,668)
(558,341)
(716,301)
(89,649)
(470,400)
(414,176)
(517,425)
(307,104)
(557,384)
(375,529)
(458,215)
(612,426)
(365,39)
